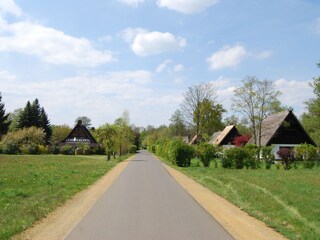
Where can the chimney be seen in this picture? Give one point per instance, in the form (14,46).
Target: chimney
(79,122)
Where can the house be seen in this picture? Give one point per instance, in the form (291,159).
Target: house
(80,134)
(225,138)
(282,130)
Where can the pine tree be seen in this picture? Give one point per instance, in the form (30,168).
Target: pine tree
(45,123)
(4,122)
(35,115)
(25,118)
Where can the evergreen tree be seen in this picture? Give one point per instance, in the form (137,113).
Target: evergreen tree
(45,124)
(4,122)
(35,115)
(25,117)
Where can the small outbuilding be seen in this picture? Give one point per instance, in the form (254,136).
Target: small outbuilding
(225,137)
(283,130)
(80,134)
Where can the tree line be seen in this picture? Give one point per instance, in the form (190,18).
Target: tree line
(199,116)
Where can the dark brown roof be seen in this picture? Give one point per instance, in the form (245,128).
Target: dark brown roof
(80,134)
(274,130)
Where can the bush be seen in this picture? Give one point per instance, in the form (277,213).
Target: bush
(206,152)
(54,149)
(267,155)
(180,153)
(235,158)
(253,156)
(67,150)
(133,149)
(308,154)
(23,141)
(287,156)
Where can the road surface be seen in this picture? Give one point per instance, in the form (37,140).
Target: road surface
(146,203)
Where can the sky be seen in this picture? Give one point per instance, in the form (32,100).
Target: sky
(100,58)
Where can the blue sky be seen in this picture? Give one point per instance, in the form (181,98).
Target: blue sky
(99,58)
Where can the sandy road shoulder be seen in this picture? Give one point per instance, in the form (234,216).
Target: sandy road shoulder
(58,224)
(237,222)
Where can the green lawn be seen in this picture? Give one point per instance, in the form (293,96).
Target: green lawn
(33,186)
(288,201)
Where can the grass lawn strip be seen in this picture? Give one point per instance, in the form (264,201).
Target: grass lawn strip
(33,186)
(238,223)
(287,201)
(58,224)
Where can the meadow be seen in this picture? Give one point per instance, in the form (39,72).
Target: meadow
(288,201)
(31,186)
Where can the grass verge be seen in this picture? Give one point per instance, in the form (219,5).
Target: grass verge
(287,201)
(33,186)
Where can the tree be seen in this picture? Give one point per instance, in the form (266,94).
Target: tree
(106,135)
(177,125)
(4,121)
(200,108)
(125,135)
(256,99)
(33,115)
(14,118)
(311,119)
(85,121)
(59,133)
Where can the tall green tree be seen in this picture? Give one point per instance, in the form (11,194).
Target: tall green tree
(177,125)
(256,99)
(107,135)
(311,119)
(4,121)
(200,107)
(125,134)
(33,115)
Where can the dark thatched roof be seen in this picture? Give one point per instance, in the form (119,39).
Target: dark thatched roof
(283,128)
(80,134)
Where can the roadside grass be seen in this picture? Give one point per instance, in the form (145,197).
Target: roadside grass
(31,186)
(288,201)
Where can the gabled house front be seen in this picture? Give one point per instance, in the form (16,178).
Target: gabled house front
(282,130)
(225,138)
(80,134)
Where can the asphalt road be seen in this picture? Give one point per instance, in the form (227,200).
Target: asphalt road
(146,203)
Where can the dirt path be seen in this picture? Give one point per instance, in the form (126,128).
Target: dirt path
(59,224)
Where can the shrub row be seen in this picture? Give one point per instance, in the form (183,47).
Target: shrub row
(180,153)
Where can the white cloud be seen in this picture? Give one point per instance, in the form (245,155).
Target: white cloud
(186,6)
(51,45)
(133,3)
(151,43)
(227,57)
(6,76)
(129,34)
(163,66)
(145,43)
(178,68)
(106,38)
(103,97)
(264,54)
(9,7)
(294,93)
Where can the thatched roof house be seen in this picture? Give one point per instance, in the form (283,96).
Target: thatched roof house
(225,137)
(283,129)
(80,134)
